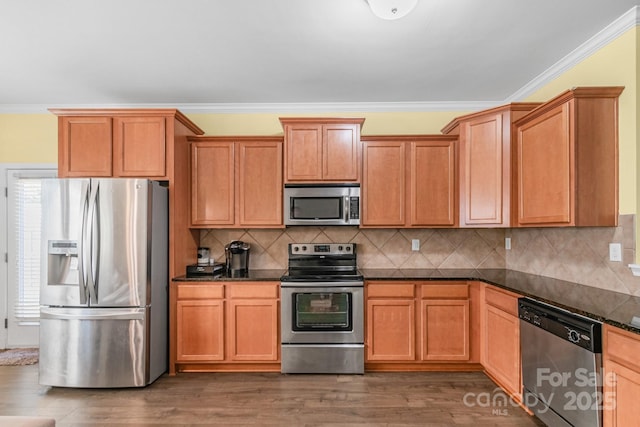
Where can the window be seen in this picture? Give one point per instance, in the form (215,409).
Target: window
(24,252)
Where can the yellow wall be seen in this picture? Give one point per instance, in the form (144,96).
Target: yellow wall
(375,123)
(28,138)
(613,65)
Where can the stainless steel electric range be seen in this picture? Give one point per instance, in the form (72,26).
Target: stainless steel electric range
(322,310)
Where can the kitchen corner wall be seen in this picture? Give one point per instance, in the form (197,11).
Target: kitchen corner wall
(578,255)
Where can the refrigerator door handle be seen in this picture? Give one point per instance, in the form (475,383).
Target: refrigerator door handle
(83,265)
(92,314)
(93,236)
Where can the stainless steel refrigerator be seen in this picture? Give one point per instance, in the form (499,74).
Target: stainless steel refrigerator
(104,282)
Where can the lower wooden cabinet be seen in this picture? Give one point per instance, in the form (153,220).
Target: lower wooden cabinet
(621,384)
(500,341)
(200,320)
(413,324)
(444,322)
(391,321)
(227,326)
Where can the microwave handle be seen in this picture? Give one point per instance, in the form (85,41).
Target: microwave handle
(346,209)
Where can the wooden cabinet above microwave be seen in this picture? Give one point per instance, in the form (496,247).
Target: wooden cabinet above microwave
(321,149)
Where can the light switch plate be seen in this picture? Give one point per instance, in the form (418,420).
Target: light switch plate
(415,244)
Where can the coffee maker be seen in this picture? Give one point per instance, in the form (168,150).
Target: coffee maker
(237,253)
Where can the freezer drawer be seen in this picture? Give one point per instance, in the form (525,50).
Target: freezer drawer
(98,348)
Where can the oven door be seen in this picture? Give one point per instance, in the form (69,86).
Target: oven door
(322,313)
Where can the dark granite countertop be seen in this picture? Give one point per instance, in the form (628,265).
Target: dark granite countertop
(609,307)
(253,276)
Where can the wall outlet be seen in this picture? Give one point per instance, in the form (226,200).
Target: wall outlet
(415,244)
(507,243)
(615,252)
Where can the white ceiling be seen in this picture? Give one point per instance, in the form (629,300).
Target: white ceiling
(251,54)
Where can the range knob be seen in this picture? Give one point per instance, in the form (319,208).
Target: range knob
(304,248)
(574,336)
(340,248)
(348,248)
(296,248)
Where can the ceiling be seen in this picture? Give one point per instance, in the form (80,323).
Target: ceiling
(252,54)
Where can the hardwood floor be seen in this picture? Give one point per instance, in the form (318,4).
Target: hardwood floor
(230,399)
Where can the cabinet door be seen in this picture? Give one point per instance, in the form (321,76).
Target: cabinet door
(545,169)
(484,197)
(444,329)
(260,185)
(620,395)
(303,152)
(621,383)
(383,184)
(84,147)
(212,183)
(200,330)
(433,183)
(502,348)
(253,321)
(253,330)
(340,153)
(391,329)
(139,146)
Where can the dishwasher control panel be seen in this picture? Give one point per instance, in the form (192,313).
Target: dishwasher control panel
(575,328)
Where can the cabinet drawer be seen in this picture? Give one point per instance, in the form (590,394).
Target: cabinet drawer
(253,290)
(200,291)
(446,290)
(621,346)
(506,301)
(390,290)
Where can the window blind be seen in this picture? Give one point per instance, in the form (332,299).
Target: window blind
(25,200)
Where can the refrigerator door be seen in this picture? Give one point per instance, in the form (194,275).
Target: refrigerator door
(64,270)
(118,242)
(93,347)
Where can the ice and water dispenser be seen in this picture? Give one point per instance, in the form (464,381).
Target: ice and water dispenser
(62,262)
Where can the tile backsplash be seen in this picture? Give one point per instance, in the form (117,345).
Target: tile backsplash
(575,254)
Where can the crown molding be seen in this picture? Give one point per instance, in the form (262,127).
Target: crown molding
(624,23)
(627,21)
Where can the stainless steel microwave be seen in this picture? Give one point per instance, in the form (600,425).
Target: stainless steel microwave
(322,204)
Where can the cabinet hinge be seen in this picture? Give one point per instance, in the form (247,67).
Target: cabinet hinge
(6,257)
(6,192)
(6,323)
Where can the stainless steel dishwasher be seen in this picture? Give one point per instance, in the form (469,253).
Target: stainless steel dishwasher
(561,365)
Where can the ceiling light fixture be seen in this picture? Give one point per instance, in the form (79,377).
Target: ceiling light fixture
(391,9)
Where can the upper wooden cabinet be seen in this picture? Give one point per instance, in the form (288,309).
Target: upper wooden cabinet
(409,181)
(322,149)
(236,182)
(118,143)
(485,163)
(566,160)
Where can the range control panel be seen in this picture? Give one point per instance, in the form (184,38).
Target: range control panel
(322,248)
